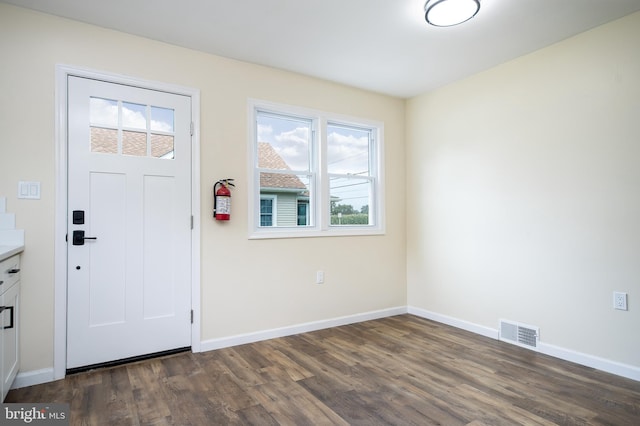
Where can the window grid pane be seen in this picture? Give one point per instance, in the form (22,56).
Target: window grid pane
(104,140)
(284,143)
(103,112)
(162,119)
(162,146)
(285,189)
(350,200)
(348,150)
(134,143)
(134,116)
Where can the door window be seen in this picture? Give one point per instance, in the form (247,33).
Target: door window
(127,128)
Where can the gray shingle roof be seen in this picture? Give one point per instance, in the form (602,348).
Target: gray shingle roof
(268,158)
(133,143)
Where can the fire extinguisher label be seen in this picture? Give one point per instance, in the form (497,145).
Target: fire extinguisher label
(223,205)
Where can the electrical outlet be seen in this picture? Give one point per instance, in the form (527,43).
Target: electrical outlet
(620,300)
(319,277)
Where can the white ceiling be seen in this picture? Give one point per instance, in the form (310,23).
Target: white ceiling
(379,45)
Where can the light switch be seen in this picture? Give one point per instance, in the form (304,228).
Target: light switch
(29,190)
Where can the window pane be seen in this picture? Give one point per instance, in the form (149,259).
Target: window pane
(134,116)
(162,146)
(103,112)
(134,143)
(266,212)
(303,213)
(283,142)
(286,190)
(348,150)
(350,200)
(104,140)
(162,119)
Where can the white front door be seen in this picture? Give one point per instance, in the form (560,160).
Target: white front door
(129,191)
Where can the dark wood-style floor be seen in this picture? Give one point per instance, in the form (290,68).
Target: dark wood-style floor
(401,370)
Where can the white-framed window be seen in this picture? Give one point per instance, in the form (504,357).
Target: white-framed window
(321,172)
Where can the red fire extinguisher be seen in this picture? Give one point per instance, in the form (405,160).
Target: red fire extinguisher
(222,199)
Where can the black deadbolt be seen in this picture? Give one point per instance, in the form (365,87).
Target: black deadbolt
(78,217)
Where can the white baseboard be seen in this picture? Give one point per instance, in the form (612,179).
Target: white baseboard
(613,367)
(35,377)
(454,322)
(241,339)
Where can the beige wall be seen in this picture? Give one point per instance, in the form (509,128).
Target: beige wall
(523,191)
(247,286)
(522,188)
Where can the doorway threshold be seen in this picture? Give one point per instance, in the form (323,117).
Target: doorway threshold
(123,361)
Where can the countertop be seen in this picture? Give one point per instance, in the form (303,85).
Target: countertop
(6,251)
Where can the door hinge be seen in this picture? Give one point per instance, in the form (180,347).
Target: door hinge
(191,128)
(191,222)
(192,316)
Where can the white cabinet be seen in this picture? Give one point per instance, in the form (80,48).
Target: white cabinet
(9,322)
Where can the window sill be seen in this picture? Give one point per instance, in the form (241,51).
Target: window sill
(264,234)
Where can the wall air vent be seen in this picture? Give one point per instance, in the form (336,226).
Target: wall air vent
(519,334)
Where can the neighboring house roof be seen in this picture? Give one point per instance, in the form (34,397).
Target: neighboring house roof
(268,158)
(134,143)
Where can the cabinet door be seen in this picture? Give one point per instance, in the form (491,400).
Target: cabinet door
(9,318)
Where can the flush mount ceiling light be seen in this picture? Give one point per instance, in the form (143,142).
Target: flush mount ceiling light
(445,13)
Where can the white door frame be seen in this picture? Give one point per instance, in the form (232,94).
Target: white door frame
(60,250)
